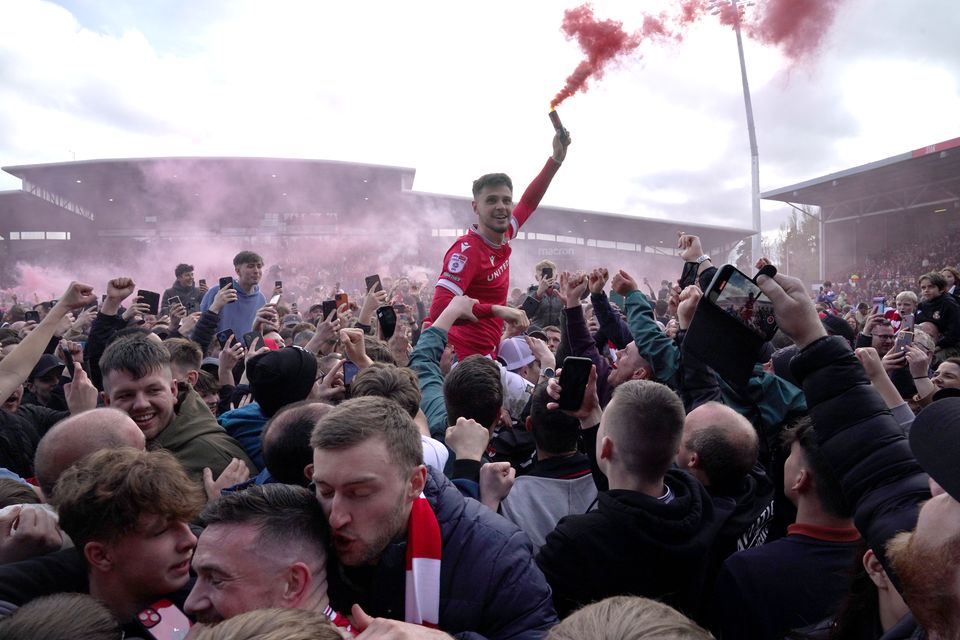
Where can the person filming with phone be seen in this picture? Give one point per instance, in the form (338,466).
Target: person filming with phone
(239,314)
(183,289)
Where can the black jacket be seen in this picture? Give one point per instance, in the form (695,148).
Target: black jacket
(489,585)
(944,312)
(633,544)
(862,443)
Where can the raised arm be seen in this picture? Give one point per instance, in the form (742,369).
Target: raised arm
(531,197)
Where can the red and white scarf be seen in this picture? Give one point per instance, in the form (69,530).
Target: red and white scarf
(422,602)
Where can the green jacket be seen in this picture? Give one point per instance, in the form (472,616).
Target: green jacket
(652,343)
(425,362)
(196,440)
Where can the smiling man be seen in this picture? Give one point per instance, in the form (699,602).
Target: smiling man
(240,315)
(400,528)
(137,380)
(128,514)
(478,263)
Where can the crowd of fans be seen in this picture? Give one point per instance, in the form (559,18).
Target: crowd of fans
(242,462)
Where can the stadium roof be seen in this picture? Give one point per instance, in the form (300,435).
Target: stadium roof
(124,192)
(925,178)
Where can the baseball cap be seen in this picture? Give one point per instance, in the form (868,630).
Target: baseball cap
(934,438)
(291,320)
(515,353)
(45,365)
(536,332)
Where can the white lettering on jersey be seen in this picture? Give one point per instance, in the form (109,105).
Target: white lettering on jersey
(499,272)
(457,262)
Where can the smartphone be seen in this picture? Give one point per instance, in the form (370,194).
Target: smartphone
(172,300)
(373,282)
(203,282)
(349,372)
(31,316)
(329,308)
(879,304)
(387,319)
(342,299)
(251,338)
(278,284)
(573,382)
(226,282)
(275,299)
(151,298)
(737,295)
(903,339)
(68,361)
(548,272)
(223,337)
(164,621)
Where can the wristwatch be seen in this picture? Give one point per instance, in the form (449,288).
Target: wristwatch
(702,259)
(548,373)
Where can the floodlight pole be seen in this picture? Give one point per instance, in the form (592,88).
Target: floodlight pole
(756,248)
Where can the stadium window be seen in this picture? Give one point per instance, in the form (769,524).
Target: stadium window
(606,244)
(626,246)
(434,233)
(591,243)
(56,235)
(447,233)
(32,235)
(149,218)
(567,239)
(521,235)
(549,237)
(14,235)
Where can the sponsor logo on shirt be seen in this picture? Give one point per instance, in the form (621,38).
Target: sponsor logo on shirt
(464,246)
(457,262)
(499,272)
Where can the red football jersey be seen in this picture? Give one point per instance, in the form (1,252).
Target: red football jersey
(476,267)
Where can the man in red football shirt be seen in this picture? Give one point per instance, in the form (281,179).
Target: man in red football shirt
(478,263)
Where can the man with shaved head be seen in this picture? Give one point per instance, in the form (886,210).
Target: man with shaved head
(80,435)
(653,516)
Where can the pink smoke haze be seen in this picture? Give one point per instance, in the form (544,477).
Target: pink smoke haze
(796,27)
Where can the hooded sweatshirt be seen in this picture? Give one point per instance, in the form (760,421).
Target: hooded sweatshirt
(633,544)
(238,315)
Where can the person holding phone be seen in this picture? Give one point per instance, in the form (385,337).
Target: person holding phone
(478,263)
(183,288)
(241,314)
(543,304)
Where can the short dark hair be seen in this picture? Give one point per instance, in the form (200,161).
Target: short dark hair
(15,492)
(102,496)
(553,431)
(134,354)
(828,489)
(388,381)
(645,419)
(473,390)
(285,440)
(285,516)
(183,268)
(183,352)
(62,615)
(359,419)
(247,257)
(207,383)
(491,180)
(377,350)
(935,278)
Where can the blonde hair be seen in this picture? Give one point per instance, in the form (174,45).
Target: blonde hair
(628,618)
(271,624)
(538,269)
(907,295)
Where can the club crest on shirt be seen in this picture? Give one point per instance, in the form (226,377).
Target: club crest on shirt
(457,262)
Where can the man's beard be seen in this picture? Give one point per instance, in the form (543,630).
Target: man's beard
(928,577)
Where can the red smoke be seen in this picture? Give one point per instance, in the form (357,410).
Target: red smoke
(796,26)
(601,41)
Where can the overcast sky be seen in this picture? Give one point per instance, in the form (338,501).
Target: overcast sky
(457,89)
